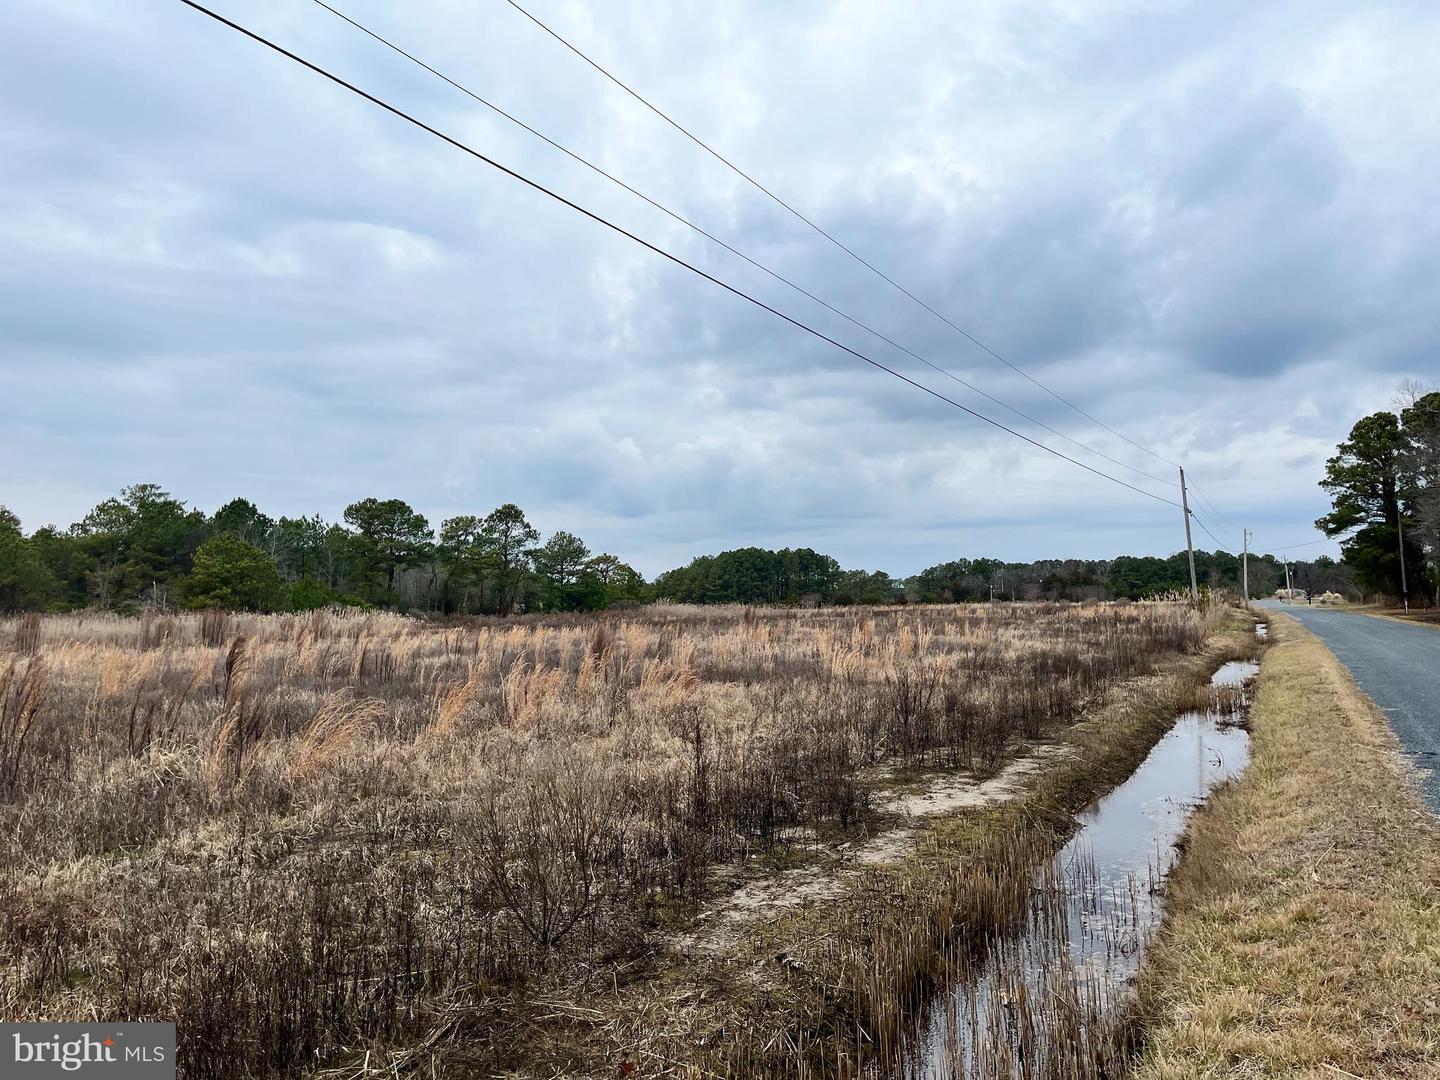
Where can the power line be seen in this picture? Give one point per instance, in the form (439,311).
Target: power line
(1211,507)
(681,219)
(1223,545)
(1229,542)
(828,236)
(537,186)
(1308,543)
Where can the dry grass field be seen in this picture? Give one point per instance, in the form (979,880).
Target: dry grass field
(306,838)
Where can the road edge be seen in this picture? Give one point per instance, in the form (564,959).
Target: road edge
(1356,610)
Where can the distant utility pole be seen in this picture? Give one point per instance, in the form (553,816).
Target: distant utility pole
(1404,585)
(1245,565)
(1189,543)
(1287,578)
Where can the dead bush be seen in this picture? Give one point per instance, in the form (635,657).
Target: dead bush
(551,844)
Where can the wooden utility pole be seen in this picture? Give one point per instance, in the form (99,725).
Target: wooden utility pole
(1288,597)
(1404,585)
(1245,564)
(1189,542)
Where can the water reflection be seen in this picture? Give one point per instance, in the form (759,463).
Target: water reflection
(1045,1000)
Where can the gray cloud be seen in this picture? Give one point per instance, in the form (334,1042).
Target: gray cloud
(1209,225)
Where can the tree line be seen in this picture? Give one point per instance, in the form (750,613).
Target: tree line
(757,576)
(145,547)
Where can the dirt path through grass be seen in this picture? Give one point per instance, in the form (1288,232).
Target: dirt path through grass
(722,926)
(1302,936)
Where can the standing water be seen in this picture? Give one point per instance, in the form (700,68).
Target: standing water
(1048,999)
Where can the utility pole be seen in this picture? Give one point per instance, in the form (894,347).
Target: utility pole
(1404,585)
(1245,565)
(1189,543)
(1287,578)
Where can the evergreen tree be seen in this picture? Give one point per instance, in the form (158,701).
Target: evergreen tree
(389,536)
(138,546)
(507,539)
(1369,491)
(559,563)
(232,574)
(25,582)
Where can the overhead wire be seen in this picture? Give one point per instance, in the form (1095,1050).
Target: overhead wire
(701,231)
(601,220)
(1198,521)
(1228,542)
(823,232)
(1210,506)
(1309,543)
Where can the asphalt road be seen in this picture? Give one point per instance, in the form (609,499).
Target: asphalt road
(1398,665)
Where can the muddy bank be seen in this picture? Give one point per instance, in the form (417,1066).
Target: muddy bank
(834,871)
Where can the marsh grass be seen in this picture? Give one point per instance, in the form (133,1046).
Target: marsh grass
(309,838)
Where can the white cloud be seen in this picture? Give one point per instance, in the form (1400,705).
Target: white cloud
(1212,226)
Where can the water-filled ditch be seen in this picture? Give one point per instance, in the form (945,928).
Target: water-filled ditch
(1048,998)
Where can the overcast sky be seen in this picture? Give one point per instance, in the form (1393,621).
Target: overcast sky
(1212,226)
